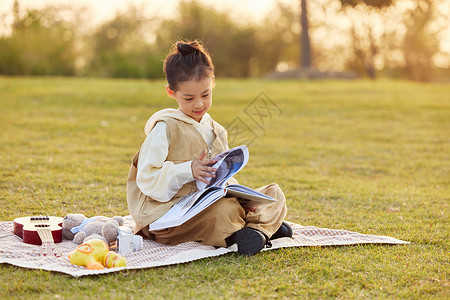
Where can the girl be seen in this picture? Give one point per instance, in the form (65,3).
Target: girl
(174,154)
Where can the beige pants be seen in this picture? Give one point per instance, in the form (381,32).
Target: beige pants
(226,216)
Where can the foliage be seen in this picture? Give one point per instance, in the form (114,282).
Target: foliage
(421,42)
(120,49)
(238,50)
(366,47)
(278,39)
(366,156)
(371,3)
(41,43)
(383,36)
(232,46)
(410,48)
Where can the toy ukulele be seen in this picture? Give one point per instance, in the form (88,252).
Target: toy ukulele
(40,230)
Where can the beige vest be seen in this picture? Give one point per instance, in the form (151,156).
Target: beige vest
(186,144)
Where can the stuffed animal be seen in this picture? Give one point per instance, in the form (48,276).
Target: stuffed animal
(80,229)
(95,255)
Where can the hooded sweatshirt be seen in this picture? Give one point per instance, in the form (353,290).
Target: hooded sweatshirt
(156,177)
(160,173)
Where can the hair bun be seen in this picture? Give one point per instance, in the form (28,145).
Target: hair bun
(187,60)
(188,48)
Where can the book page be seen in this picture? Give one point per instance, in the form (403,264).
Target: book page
(187,207)
(248,196)
(228,163)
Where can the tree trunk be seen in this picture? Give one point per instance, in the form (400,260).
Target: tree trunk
(16,22)
(305,43)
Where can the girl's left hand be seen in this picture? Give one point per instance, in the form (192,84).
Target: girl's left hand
(200,168)
(250,209)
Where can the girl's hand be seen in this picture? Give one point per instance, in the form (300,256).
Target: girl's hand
(250,209)
(200,168)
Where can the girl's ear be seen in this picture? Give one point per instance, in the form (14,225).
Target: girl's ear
(169,91)
(213,82)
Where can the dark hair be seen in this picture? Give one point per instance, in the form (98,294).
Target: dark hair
(187,61)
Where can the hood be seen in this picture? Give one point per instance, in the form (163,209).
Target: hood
(176,114)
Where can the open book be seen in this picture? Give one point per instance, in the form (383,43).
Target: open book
(228,164)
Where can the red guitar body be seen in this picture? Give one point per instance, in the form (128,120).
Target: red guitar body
(26,228)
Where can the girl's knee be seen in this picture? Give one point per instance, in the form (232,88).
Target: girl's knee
(273,190)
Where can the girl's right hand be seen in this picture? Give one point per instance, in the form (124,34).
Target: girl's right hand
(200,168)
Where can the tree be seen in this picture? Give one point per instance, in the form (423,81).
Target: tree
(41,42)
(278,40)
(119,47)
(233,47)
(420,42)
(365,45)
(371,3)
(305,56)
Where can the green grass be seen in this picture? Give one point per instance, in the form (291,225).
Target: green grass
(365,156)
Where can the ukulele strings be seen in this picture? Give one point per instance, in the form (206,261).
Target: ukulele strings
(48,246)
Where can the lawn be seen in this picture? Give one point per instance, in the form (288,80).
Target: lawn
(366,156)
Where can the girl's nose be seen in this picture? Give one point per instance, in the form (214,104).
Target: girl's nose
(198,103)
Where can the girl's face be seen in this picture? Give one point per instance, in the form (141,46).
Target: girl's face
(194,97)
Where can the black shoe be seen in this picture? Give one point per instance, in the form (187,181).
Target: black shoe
(285,230)
(249,241)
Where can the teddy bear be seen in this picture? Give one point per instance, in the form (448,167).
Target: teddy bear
(80,229)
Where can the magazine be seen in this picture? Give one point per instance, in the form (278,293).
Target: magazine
(228,163)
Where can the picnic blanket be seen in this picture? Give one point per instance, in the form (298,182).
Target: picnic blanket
(13,251)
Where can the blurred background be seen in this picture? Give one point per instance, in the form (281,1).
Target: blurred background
(408,39)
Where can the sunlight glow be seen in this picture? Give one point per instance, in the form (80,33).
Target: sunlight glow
(253,10)
(325,12)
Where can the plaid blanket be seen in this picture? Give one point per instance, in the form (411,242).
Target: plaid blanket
(13,251)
